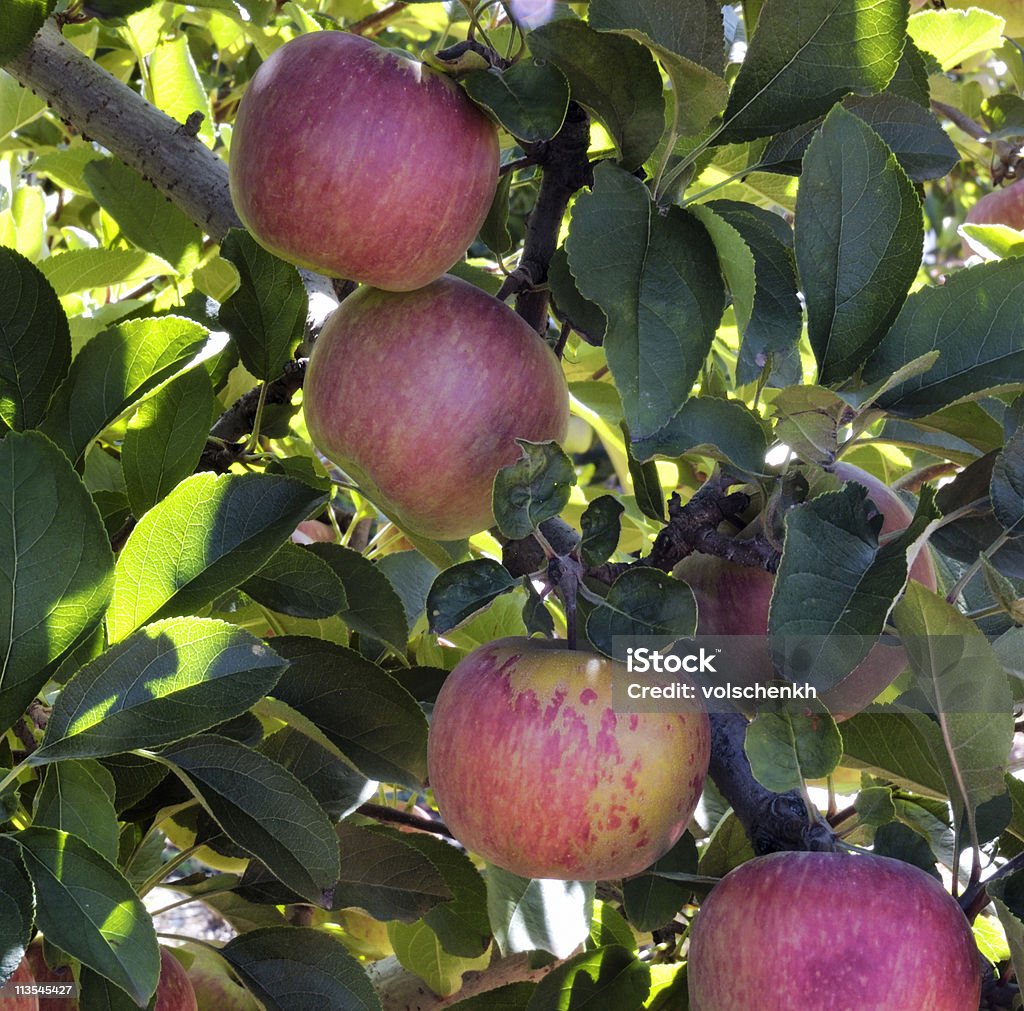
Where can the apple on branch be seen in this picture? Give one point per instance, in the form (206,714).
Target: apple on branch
(533,769)
(360,162)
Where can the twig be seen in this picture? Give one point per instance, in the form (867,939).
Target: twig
(379,812)
(374,24)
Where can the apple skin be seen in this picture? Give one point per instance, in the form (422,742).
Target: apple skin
(360,162)
(823,931)
(735,599)
(532,768)
(212,982)
(22,974)
(419,396)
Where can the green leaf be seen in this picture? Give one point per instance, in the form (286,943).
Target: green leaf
(385,875)
(533,489)
(19,22)
(419,950)
(803,59)
(77,797)
(786,749)
(993,242)
(174,84)
(460,591)
(1012,926)
(610,977)
(35,343)
(538,914)
(976,323)
(644,602)
(511,997)
(951,36)
(17,907)
(55,566)
(529,99)
(601,524)
(1008,484)
(144,215)
(662,293)
(613,76)
(411,575)
(359,707)
(859,236)
(292,967)
(651,900)
(494,231)
(18,106)
(263,808)
(266,316)
(208,535)
(586,318)
(165,682)
(874,806)
(371,605)
(86,907)
(78,270)
(294,581)
(114,371)
(808,419)
(166,438)
(647,490)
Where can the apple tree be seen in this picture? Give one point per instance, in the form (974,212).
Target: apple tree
(372,372)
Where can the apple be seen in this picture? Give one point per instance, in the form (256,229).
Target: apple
(823,931)
(419,396)
(212,980)
(533,769)
(360,162)
(21,1002)
(735,599)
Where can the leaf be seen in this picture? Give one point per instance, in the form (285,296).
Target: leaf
(17,907)
(976,323)
(411,576)
(951,36)
(529,99)
(538,914)
(1012,926)
(642,602)
(462,590)
(165,682)
(533,489)
(174,84)
(371,605)
(647,490)
(359,707)
(291,967)
(165,439)
(808,419)
(613,76)
(78,270)
(208,535)
(610,977)
(803,59)
(263,808)
(144,215)
(35,343)
(56,566)
(601,524)
(418,949)
(1008,484)
(383,874)
(785,749)
(586,318)
(19,22)
(86,907)
(511,997)
(295,581)
(859,237)
(77,797)
(114,371)
(993,241)
(494,231)
(661,291)
(266,316)
(651,899)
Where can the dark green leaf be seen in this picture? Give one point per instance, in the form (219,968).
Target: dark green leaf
(165,439)
(86,907)
(300,967)
(207,536)
(294,581)
(613,76)
(900,842)
(494,231)
(786,749)
(19,22)
(17,907)
(55,566)
(651,899)
(609,977)
(114,371)
(1008,484)
(874,806)
(263,808)
(77,797)
(586,317)
(411,575)
(35,343)
(601,524)
(167,681)
(529,99)
(266,316)
(511,997)
(533,489)
(461,591)
(662,293)
(647,490)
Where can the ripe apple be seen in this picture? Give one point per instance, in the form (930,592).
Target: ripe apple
(735,599)
(212,981)
(420,396)
(22,1002)
(823,931)
(534,770)
(360,162)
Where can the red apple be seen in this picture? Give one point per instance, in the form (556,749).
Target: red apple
(215,986)
(21,1002)
(420,396)
(735,599)
(824,931)
(360,162)
(534,770)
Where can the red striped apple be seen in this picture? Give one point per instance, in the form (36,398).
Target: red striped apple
(419,396)
(823,931)
(533,769)
(360,162)
(21,1002)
